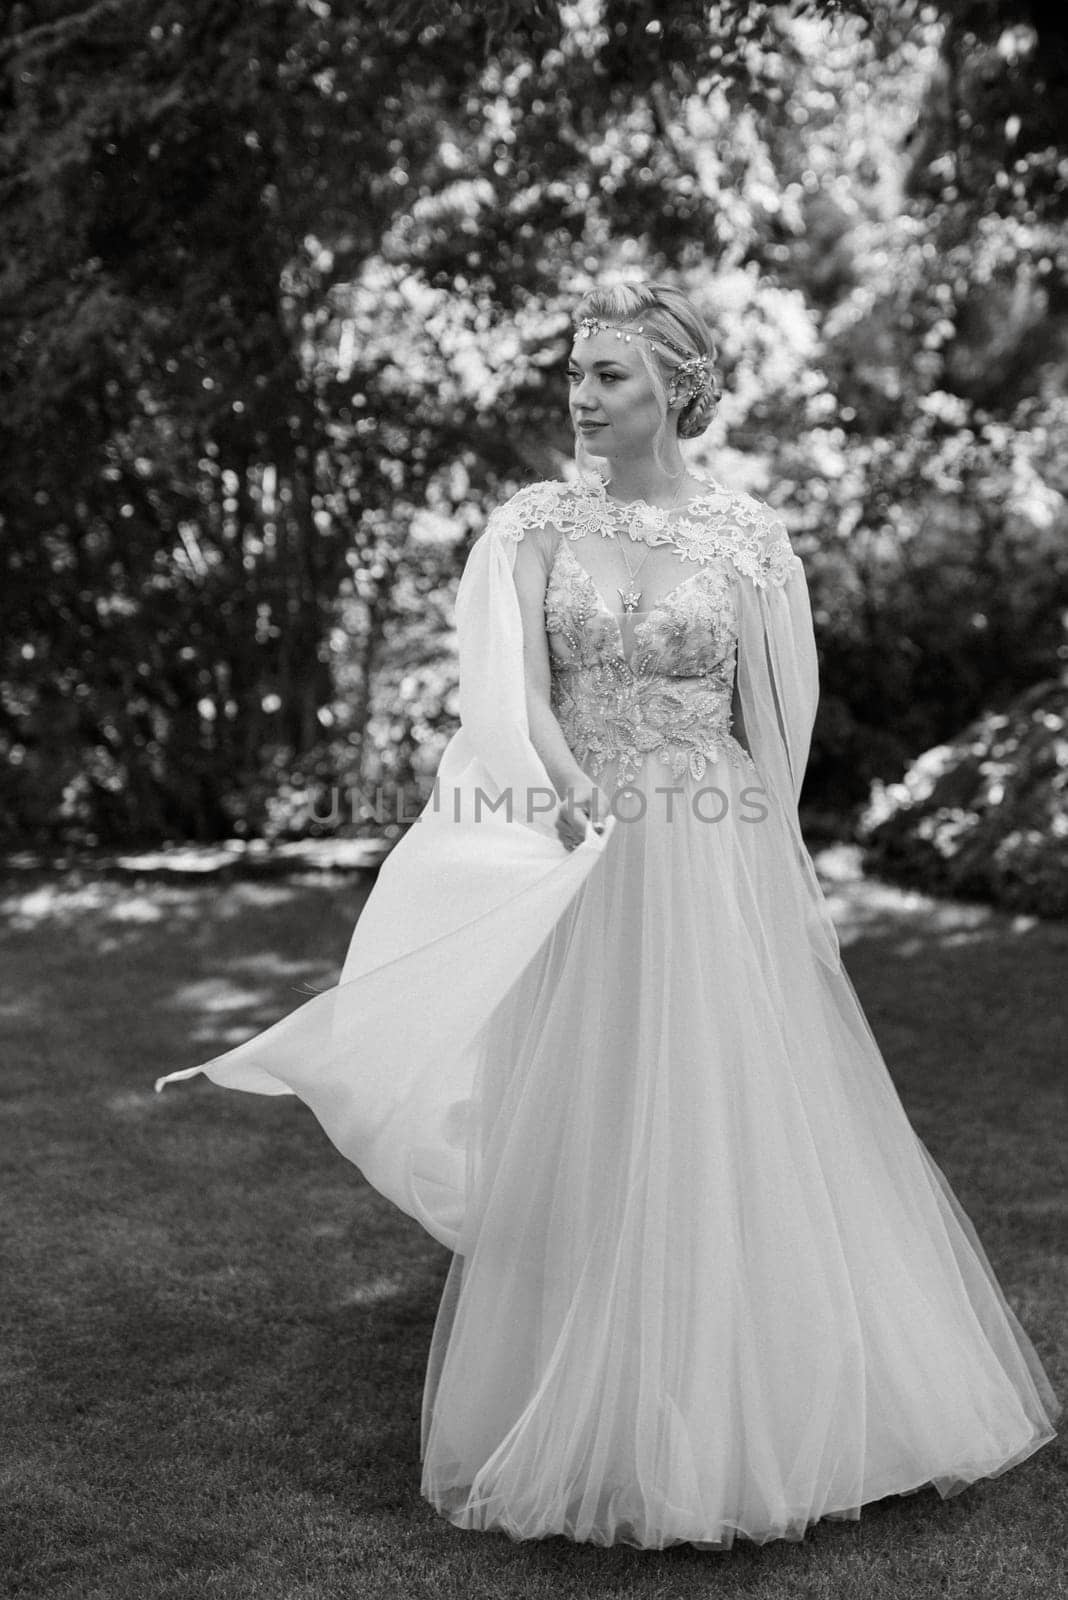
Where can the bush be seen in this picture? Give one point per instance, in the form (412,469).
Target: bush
(986,816)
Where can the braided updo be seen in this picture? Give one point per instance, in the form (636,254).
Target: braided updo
(661,308)
(698,412)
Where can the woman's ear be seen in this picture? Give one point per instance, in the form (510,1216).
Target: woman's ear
(676,401)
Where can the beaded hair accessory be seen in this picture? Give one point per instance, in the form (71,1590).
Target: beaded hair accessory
(688,380)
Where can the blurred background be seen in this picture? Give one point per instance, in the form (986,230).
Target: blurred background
(284,311)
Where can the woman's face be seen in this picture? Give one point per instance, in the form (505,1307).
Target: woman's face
(613,404)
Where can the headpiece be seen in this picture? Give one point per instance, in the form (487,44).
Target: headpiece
(688,380)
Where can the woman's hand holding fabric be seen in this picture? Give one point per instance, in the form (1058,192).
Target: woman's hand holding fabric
(582,805)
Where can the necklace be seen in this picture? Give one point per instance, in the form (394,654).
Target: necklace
(631,597)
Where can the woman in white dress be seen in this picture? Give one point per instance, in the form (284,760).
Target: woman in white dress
(593,1031)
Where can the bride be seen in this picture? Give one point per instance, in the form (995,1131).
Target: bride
(594,1033)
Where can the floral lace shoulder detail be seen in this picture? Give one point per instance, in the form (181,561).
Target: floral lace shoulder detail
(717,525)
(538,505)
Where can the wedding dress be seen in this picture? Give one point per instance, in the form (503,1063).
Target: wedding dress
(706,1281)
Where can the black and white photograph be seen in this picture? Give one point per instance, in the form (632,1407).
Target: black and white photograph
(533,800)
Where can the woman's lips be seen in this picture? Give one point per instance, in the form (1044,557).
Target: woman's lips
(590,427)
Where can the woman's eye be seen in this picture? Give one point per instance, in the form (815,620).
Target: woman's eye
(605,377)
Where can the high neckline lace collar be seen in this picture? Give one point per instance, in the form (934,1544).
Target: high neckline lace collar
(650,515)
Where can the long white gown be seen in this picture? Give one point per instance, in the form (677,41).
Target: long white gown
(706,1281)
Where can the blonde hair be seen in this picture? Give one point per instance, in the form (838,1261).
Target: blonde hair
(661,309)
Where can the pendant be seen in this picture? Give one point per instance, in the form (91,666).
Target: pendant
(631,598)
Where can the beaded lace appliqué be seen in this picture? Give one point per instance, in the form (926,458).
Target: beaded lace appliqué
(715,525)
(671,697)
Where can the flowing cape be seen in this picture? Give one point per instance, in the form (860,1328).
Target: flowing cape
(387,1059)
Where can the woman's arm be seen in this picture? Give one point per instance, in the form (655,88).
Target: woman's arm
(546,735)
(738,717)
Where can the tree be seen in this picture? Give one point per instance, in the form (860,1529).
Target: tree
(286,292)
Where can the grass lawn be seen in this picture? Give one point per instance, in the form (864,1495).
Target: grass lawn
(213,1331)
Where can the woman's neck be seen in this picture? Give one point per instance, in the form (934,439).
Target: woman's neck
(645,479)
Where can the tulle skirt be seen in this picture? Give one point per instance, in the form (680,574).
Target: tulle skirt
(708,1281)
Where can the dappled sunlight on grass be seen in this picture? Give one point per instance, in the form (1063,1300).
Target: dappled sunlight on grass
(111,900)
(214,1333)
(325,1230)
(858,904)
(909,924)
(210,999)
(103,979)
(856,915)
(215,995)
(378,1289)
(131,1102)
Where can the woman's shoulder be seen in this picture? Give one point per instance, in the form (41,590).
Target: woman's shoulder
(750,533)
(549,503)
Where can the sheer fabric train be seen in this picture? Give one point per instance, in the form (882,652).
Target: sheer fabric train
(706,1280)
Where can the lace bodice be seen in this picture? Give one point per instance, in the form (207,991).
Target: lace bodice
(659,682)
(670,693)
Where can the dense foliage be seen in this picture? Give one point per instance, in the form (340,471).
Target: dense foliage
(283,308)
(985,816)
